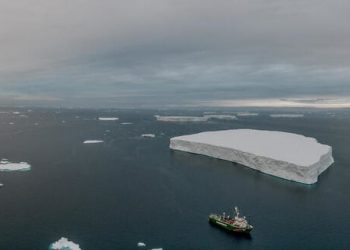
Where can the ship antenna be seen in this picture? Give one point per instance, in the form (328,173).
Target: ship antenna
(237,211)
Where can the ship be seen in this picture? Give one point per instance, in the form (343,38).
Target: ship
(234,224)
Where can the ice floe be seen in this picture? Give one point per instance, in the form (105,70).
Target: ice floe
(92,141)
(6,165)
(286,115)
(148,135)
(64,244)
(141,244)
(285,155)
(108,118)
(126,123)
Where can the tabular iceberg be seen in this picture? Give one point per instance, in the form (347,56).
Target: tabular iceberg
(285,155)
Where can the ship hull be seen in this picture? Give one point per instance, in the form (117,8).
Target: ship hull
(229,227)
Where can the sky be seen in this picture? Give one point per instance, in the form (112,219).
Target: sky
(175,53)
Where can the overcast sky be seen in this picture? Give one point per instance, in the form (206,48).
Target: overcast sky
(113,53)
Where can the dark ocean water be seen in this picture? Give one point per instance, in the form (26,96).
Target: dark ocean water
(110,196)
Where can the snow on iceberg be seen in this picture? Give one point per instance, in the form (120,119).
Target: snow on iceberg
(108,118)
(64,244)
(92,141)
(5,165)
(287,115)
(285,155)
(181,118)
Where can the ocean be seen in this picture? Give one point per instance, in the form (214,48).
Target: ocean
(131,189)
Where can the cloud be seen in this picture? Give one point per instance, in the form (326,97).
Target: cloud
(116,51)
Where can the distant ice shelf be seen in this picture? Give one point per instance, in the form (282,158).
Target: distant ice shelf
(64,244)
(203,118)
(246,114)
(5,165)
(285,155)
(286,115)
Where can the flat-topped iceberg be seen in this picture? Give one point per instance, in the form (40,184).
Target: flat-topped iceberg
(5,165)
(285,155)
(64,244)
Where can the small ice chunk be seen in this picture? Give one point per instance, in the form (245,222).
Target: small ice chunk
(141,244)
(11,123)
(16,113)
(92,141)
(64,244)
(5,165)
(126,123)
(108,118)
(287,115)
(157,249)
(1,185)
(148,135)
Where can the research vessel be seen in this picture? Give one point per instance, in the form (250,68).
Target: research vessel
(235,223)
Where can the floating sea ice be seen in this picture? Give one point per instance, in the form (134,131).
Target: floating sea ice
(126,123)
(157,249)
(92,141)
(5,165)
(64,244)
(141,244)
(148,135)
(108,118)
(1,185)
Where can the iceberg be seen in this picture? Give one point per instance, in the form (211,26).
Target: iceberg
(108,118)
(287,115)
(285,155)
(64,244)
(92,141)
(5,165)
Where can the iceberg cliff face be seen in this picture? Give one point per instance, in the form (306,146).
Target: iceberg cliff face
(285,155)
